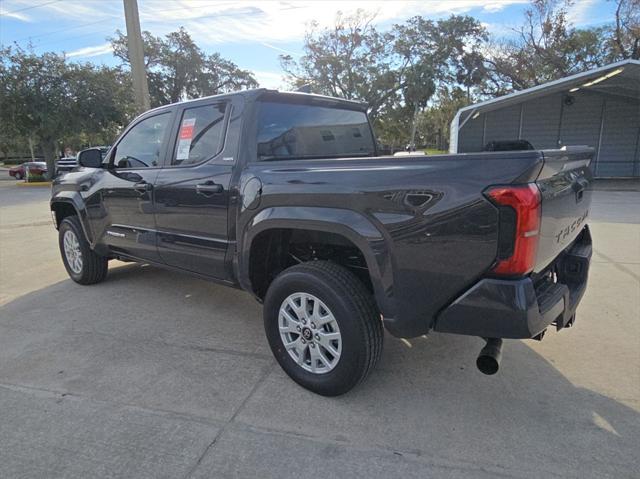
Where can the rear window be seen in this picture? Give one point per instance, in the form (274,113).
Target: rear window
(288,131)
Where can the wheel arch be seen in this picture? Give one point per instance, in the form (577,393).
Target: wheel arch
(63,206)
(353,227)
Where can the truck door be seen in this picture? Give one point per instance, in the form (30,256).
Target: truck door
(127,191)
(192,191)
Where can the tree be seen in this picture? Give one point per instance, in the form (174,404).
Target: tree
(547,46)
(9,133)
(178,69)
(351,60)
(394,72)
(416,93)
(451,48)
(435,123)
(46,98)
(625,42)
(441,54)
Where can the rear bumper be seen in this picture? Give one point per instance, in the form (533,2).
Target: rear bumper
(498,308)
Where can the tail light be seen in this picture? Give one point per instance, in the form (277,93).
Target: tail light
(519,227)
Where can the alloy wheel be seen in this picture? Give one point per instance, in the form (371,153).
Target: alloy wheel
(72,251)
(310,333)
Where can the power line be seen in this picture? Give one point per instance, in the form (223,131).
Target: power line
(30,37)
(29,8)
(80,25)
(184,7)
(243,13)
(111,30)
(94,33)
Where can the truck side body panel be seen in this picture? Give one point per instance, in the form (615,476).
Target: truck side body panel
(436,227)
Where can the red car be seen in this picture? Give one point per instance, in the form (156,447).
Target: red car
(35,168)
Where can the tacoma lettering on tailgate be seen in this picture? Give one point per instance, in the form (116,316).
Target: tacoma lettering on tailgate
(576,224)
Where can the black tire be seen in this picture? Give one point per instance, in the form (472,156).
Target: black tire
(353,308)
(93,266)
(18,176)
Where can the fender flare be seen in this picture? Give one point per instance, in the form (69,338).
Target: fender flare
(74,199)
(347,223)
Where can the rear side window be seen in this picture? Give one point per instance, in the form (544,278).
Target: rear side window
(201,134)
(295,131)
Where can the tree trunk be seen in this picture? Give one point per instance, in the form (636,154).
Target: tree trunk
(33,157)
(50,151)
(412,144)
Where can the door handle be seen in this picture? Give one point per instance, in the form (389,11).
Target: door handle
(209,188)
(142,186)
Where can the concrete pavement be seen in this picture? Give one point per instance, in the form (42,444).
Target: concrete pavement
(156,374)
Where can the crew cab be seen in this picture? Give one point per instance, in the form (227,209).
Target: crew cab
(285,196)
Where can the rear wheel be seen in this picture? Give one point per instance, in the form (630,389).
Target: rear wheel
(83,265)
(323,327)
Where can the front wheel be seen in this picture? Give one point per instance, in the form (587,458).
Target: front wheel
(323,327)
(18,176)
(83,265)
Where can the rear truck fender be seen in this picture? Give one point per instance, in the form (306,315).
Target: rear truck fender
(61,204)
(349,224)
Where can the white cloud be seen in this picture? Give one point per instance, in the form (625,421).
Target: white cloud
(282,50)
(271,21)
(268,79)
(16,15)
(83,10)
(264,21)
(493,6)
(94,51)
(500,30)
(580,14)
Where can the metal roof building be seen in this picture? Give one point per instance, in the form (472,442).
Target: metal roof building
(599,108)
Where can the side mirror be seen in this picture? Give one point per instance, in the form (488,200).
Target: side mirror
(91,158)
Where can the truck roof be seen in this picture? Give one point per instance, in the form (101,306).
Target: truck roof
(256,93)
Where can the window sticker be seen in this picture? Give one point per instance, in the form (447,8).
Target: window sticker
(184,138)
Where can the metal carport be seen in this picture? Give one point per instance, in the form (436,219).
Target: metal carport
(599,108)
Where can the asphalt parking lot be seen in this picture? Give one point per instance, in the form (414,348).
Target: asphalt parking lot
(156,374)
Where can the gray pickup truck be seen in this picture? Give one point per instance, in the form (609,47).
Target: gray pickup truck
(285,196)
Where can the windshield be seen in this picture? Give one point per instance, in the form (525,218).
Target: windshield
(296,131)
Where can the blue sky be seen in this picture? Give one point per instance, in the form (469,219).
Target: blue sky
(251,33)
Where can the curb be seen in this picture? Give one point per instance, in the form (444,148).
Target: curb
(34,183)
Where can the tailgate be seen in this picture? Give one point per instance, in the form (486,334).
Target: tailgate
(564,184)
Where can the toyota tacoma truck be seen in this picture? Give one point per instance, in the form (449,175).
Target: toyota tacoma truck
(284,195)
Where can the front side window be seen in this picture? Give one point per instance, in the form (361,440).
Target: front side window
(141,146)
(297,131)
(201,134)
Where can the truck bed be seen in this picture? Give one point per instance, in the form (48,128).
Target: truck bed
(437,232)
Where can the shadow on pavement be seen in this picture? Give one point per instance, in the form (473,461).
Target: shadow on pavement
(164,341)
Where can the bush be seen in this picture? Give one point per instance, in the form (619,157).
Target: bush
(35,178)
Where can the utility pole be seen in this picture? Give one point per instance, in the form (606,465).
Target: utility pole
(136,55)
